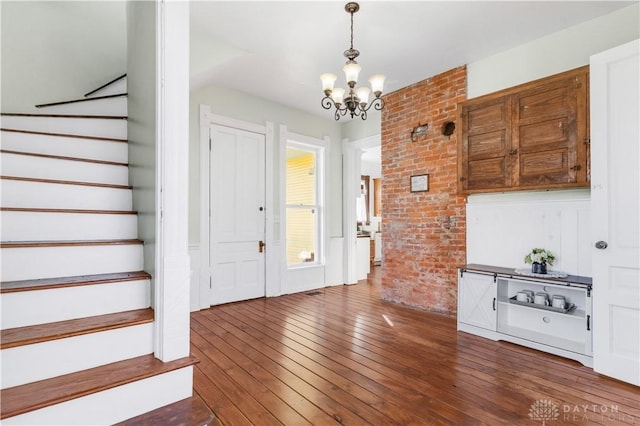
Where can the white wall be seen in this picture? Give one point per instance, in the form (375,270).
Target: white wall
(59,50)
(502,228)
(141,82)
(554,53)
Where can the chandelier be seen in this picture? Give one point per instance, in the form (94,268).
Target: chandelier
(356,101)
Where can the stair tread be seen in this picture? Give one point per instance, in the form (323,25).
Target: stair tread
(73,101)
(63,135)
(20,336)
(82,211)
(188,412)
(66,182)
(27,244)
(79,280)
(62,157)
(44,393)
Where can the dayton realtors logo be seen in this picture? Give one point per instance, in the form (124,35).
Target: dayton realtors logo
(544,410)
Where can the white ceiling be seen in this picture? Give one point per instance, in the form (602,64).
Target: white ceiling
(277,50)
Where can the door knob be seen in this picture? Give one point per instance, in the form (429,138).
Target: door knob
(601,245)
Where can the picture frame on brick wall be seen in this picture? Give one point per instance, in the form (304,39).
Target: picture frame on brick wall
(419,183)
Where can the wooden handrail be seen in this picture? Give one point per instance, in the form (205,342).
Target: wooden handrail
(24,114)
(73,101)
(105,85)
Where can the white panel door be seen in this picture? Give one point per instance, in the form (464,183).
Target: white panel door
(237,216)
(615,179)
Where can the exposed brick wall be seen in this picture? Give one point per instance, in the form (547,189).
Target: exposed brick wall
(423,232)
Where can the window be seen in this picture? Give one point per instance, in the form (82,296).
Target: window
(303,204)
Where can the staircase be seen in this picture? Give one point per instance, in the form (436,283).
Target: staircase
(77,332)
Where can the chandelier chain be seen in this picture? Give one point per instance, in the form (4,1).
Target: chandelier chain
(351,30)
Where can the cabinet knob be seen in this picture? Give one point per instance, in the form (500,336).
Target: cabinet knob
(601,245)
(513,151)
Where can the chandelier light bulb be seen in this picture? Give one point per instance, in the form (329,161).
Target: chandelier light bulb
(337,95)
(351,70)
(328,81)
(363,94)
(377,84)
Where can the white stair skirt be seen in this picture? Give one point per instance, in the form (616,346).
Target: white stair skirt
(98,127)
(116,404)
(108,106)
(30,363)
(19,165)
(52,226)
(68,261)
(66,146)
(115,88)
(21,309)
(16,193)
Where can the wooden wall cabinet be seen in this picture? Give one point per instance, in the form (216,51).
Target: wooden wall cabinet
(532,136)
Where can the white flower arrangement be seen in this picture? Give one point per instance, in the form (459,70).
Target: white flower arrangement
(540,255)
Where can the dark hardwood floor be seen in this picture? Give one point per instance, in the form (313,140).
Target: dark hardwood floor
(342,356)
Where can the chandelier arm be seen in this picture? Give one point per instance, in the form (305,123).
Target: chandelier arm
(327,102)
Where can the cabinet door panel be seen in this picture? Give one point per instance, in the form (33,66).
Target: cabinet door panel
(554,100)
(547,167)
(489,173)
(486,145)
(477,300)
(546,134)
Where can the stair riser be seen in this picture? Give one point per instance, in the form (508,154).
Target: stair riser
(52,168)
(21,309)
(66,146)
(45,226)
(114,405)
(51,262)
(39,361)
(104,128)
(114,88)
(60,196)
(110,106)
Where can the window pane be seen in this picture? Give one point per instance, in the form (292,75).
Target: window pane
(301,236)
(301,177)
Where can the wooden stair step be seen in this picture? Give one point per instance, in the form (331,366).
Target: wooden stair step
(66,182)
(33,396)
(31,244)
(81,211)
(32,334)
(73,101)
(64,135)
(105,85)
(188,412)
(80,280)
(61,157)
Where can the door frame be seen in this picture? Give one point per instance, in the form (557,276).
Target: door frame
(352,166)
(207,118)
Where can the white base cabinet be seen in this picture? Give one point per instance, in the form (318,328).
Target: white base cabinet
(486,307)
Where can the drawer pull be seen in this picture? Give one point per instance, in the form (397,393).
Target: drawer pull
(588,322)
(494,303)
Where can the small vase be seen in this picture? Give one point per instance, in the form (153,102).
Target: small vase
(539,268)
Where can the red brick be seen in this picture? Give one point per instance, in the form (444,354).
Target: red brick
(424,232)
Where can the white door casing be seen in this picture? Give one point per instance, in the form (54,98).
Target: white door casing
(237,215)
(615,194)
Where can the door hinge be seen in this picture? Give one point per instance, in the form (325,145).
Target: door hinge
(577,83)
(576,168)
(587,141)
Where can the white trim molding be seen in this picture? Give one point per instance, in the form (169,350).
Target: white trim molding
(171,293)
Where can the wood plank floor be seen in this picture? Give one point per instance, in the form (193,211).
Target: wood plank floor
(343,356)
